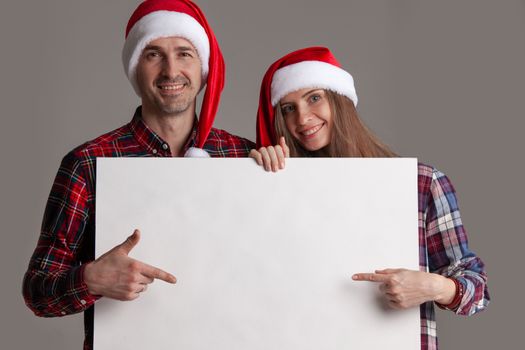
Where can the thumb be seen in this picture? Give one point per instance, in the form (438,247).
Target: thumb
(130,242)
(282,142)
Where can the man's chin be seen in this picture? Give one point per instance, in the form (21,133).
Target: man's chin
(174,110)
(173,107)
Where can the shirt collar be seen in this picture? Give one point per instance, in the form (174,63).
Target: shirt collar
(153,143)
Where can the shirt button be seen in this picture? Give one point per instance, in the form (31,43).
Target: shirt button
(63,313)
(83,302)
(164,146)
(155,151)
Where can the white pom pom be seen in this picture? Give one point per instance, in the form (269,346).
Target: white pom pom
(194,152)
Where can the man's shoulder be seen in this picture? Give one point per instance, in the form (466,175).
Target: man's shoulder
(219,134)
(116,143)
(105,145)
(221,143)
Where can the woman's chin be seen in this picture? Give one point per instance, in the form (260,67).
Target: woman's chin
(313,146)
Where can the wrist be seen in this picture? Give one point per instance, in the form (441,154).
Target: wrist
(447,292)
(88,278)
(456,300)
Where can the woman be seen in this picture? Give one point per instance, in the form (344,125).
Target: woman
(307,109)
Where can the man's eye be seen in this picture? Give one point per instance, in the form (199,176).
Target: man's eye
(152,54)
(186,54)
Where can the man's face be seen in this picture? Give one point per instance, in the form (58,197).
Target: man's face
(169,76)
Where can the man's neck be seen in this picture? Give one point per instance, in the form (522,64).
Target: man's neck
(174,129)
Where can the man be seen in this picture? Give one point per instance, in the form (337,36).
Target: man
(170,54)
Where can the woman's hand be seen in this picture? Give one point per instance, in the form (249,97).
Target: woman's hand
(404,288)
(272,157)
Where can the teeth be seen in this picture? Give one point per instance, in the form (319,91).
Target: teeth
(172,87)
(312,130)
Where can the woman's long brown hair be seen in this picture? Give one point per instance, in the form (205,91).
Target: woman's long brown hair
(350,136)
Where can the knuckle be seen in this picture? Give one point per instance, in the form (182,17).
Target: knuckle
(134,266)
(395,279)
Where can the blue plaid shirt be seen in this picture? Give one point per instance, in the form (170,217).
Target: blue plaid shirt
(443,249)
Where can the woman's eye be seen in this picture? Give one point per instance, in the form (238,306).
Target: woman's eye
(315,98)
(287,110)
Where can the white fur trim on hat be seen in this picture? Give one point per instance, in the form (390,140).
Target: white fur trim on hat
(312,74)
(162,24)
(194,152)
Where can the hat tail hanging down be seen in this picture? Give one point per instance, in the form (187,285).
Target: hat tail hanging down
(215,85)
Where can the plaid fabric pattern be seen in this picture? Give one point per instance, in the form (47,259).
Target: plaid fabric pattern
(443,249)
(53,284)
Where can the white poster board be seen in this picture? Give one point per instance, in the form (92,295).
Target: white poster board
(263,260)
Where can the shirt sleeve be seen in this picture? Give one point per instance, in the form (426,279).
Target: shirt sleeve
(53,284)
(447,246)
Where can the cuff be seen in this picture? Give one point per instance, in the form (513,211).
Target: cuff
(77,288)
(454,304)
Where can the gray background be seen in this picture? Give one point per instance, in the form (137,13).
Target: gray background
(440,80)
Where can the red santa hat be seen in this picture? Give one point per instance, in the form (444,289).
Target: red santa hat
(312,67)
(155,19)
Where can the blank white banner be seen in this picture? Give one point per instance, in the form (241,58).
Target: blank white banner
(263,260)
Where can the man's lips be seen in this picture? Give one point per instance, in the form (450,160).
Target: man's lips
(171,88)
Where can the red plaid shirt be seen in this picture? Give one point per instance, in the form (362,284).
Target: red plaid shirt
(53,284)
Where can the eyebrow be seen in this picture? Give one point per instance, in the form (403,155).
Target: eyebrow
(185,48)
(152,47)
(309,92)
(303,96)
(178,48)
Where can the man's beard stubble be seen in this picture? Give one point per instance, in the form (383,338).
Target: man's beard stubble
(178,104)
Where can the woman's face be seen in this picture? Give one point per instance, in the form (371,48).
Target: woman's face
(308,117)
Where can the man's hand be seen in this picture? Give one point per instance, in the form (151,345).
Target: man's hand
(406,288)
(117,276)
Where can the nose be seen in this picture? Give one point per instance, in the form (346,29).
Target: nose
(304,115)
(170,67)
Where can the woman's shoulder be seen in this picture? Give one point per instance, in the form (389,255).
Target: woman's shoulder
(433,180)
(429,171)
